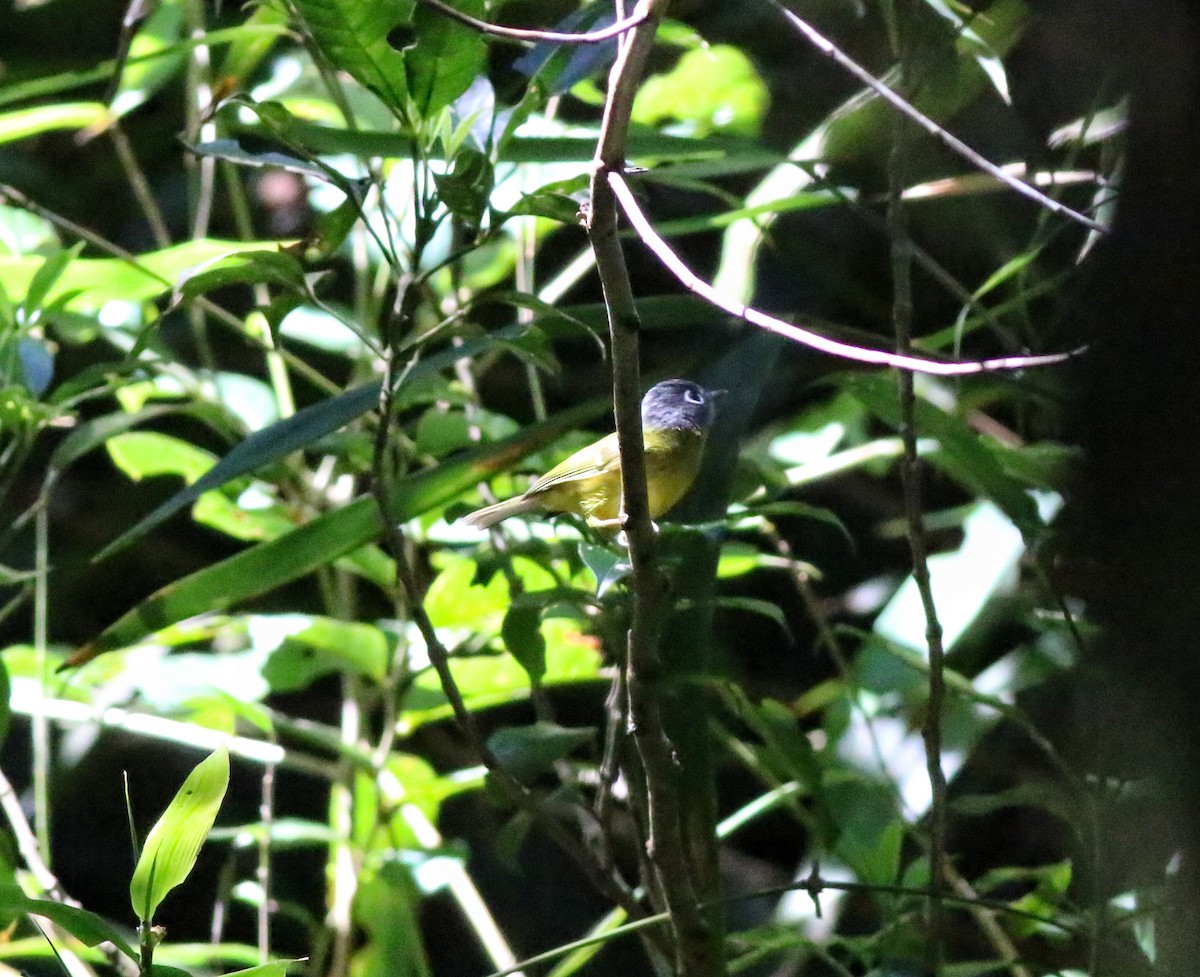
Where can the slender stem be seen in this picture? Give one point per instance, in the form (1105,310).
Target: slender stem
(910,473)
(537,36)
(906,108)
(266,812)
(139,185)
(695,949)
(40,726)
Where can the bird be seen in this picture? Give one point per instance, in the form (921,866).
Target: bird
(676,417)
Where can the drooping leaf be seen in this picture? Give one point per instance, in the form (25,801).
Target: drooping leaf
(523,638)
(527,751)
(85,926)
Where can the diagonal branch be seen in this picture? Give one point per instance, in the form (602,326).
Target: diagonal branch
(806,337)
(950,141)
(540,36)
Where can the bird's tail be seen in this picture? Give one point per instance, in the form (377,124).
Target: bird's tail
(489,515)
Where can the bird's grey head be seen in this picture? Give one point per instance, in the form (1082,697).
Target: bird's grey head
(679,405)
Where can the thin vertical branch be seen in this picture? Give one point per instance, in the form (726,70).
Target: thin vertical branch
(266,813)
(696,952)
(139,185)
(40,724)
(910,475)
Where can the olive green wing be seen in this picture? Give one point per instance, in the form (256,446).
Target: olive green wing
(596,459)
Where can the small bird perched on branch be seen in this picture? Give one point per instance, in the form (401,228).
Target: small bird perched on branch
(676,417)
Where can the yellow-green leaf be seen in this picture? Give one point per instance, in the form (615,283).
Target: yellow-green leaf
(174,842)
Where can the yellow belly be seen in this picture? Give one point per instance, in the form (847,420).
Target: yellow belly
(671,467)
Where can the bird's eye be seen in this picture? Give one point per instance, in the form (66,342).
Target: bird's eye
(693,397)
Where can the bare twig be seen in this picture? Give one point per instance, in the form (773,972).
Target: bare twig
(931,730)
(952,142)
(27,843)
(538,36)
(806,337)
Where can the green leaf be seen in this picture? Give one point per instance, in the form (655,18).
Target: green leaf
(710,89)
(755,605)
(386,905)
(324,647)
(447,57)
(522,635)
(25,123)
(174,841)
(91,282)
(354,35)
(527,751)
(268,565)
(245,268)
(454,600)
(277,968)
(465,190)
(146,454)
(85,926)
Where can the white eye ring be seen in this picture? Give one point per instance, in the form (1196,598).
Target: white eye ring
(692,397)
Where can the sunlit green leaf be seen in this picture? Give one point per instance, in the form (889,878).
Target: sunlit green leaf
(356,36)
(385,905)
(712,89)
(327,646)
(91,282)
(174,842)
(145,454)
(446,57)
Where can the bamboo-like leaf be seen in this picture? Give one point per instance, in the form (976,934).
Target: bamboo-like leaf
(174,841)
(24,123)
(85,926)
(276,562)
(290,434)
(95,281)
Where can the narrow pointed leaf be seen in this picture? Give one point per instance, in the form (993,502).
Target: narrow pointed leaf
(85,926)
(291,434)
(279,561)
(174,842)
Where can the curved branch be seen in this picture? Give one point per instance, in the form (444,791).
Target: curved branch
(806,337)
(540,36)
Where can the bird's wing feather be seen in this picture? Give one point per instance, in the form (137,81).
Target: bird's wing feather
(595,459)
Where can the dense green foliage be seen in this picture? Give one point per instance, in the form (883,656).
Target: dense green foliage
(224,230)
